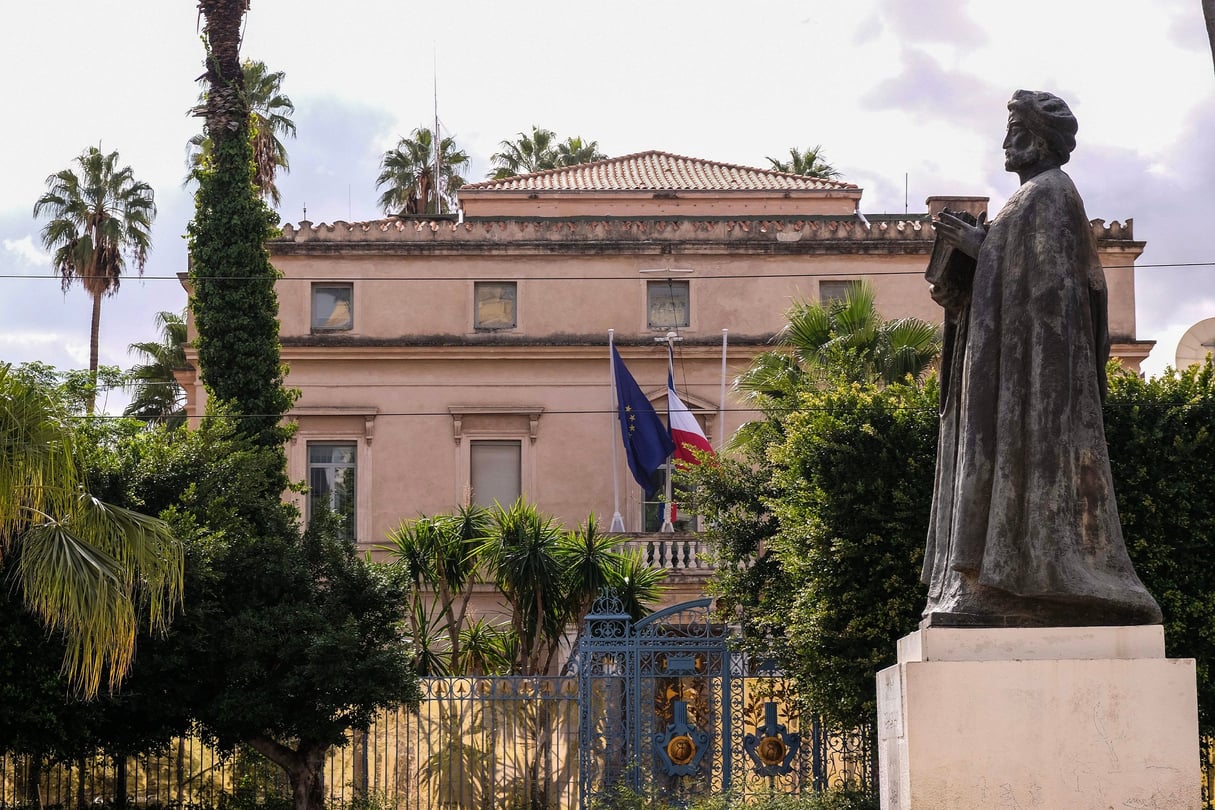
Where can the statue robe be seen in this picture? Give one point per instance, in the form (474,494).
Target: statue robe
(1025,526)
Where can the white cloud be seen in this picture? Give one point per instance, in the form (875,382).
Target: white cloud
(29,340)
(25,250)
(78,351)
(889,89)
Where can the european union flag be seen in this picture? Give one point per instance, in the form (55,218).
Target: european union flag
(647,443)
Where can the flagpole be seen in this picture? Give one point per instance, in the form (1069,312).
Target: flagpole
(668,527)
(721,403)
(617,520)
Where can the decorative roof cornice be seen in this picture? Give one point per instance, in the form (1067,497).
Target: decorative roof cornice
(533,231)
(657,171)
(565,229)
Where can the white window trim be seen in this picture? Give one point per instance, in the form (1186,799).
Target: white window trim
(361,435)
(526,435)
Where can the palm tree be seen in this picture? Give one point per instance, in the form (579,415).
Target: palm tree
(87,569)
(99,219)
(485,649)
(806,162)
(520,550)
(573,151)
(270,112)
(1208,15)
(527,153)
(408,172)
(439,553)
(846,336)
(157,397)
(638,584)
(591,564)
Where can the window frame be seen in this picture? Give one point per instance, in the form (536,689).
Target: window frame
(317,286)
(478,286)
(353,466)
(668,284)
(826,299)
(518,444)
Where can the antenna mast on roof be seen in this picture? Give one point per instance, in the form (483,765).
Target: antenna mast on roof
(438,183)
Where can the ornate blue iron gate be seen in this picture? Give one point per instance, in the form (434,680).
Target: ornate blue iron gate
(667,708)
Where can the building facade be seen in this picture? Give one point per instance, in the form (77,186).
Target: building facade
(465,359)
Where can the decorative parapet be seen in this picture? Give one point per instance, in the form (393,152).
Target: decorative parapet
(1118,231)
(587,229)
(582,229)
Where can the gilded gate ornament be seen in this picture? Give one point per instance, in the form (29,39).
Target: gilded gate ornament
(682,746)
(772,748)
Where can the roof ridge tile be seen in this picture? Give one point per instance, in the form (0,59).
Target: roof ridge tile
(656,170)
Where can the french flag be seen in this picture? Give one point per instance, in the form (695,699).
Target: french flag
(685,430)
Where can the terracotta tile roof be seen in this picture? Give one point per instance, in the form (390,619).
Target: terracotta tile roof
(657,171)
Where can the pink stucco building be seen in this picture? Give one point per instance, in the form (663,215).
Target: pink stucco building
(465,358)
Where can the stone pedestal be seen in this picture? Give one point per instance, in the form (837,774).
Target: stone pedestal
(1063,718)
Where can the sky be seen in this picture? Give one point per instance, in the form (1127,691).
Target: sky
(906,97)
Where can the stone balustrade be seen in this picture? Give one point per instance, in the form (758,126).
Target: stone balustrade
(680,553)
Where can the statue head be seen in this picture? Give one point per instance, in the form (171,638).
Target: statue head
(1041,132)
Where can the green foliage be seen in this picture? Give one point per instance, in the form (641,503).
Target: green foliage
(270,112)
(156,395)
(234,303)
(819,525)
(34,714)
(97,221)
(89,569)
(290,639)
(818,520)
(854,482)
(372,800)
(439,553)
(845,338)
(74,388)
(540,150)
(1162,451)
(548,576)
(408,171)
(806,162)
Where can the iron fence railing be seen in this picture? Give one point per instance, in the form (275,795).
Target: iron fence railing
(501,742)
(474,744)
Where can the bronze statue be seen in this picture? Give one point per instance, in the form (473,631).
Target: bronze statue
(1025,528)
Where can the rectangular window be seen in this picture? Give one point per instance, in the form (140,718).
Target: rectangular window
(331,482)
(667,304)
(833,290)
(332,307)
(495,472)
(495,305)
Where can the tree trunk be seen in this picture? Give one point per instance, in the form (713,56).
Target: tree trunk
(361,777)
(226,112)
(33,781)
(1208,13)
(180,773)
(120,783)
(81,775)
(303,767)
(94,332)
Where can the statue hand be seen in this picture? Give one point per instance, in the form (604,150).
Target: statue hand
(962,235)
